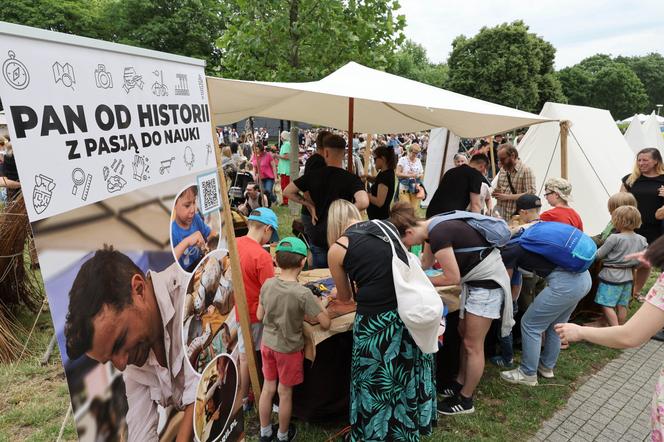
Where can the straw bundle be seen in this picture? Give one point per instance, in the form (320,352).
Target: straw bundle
(17,287)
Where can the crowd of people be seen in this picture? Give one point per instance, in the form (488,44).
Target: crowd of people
(458,248)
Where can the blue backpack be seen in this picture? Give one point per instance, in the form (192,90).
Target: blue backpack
(562,244)
(493,230)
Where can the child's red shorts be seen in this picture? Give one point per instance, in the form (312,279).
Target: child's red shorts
(287,368)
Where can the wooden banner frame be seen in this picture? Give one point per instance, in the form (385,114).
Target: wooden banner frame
(236,271)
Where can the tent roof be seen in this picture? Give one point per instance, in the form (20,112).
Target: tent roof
(138,220)
(598,157)
(384,103)
(635,136)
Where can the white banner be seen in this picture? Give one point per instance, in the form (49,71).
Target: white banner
(90,120)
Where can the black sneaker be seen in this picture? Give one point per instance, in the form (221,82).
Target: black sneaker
(292,432)
(272,437)
(456,405)
(451,389)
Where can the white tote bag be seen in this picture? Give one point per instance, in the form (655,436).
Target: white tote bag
(418,303)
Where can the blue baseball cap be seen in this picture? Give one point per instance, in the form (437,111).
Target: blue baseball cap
(265,216)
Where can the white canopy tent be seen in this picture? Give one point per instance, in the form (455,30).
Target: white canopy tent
(635,136)
(362,99)
(598,157)
(440,158)
(653,133)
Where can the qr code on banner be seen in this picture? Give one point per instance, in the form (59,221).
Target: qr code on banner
(208,192)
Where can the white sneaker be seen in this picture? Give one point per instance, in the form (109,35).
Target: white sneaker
(516,376)
(545,372)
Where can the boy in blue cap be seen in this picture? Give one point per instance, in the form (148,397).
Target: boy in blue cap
(282,307)
(257,267)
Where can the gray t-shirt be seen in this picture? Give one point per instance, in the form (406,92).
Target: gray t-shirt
(285,304)
(614,268)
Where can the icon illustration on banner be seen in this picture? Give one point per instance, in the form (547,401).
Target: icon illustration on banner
(64,74)
(159,87)
(42,193)
(80,178)
(114,183)
(166,166)
(15,72)
(103,78)
(201,86)
(182,88)
(132,79)
(189,158)
(209,152)
(141,167)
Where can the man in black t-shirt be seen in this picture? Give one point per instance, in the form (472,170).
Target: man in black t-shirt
(460,187)
(323,186)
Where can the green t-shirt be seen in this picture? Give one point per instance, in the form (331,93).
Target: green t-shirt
(285,304)
(283,168)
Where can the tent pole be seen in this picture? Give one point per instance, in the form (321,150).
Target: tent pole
(492,154)
(239,292)
(564,131)
(351,106)
(447,144)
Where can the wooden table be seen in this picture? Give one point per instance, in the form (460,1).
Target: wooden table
(314,334)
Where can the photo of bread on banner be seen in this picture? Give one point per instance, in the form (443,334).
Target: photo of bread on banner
(215,398)
(120,314)
(192,235)
(209,328)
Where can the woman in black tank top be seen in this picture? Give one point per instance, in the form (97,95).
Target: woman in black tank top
(385,358)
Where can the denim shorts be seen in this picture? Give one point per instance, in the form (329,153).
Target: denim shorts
(483,302)
(611,295)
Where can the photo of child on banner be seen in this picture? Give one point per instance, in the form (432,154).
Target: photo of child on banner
(193,234)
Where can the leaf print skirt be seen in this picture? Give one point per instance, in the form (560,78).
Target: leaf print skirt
(393,391)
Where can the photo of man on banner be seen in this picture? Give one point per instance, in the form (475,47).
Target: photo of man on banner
(119,314)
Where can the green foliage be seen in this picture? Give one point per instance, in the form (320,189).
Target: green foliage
(507,65)
(304,40)
(185,27)
(411,61)
(650,70)
(68,16)
(602,82)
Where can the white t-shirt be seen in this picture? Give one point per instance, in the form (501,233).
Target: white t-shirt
(408,167)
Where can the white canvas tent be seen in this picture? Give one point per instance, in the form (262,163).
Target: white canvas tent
(598,157)
(642,118)
(379,103)
(443,145)
(635,136)
(653,133)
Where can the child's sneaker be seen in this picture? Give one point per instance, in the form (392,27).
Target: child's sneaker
(451,389)
(456,405)
(269,438)
(292,432)
(545,372)
(516,376)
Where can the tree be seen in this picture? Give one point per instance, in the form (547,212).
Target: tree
(602,82)
(507,65)
(304,40)
(650,70)
(67,16)
(411,61)
(184,27)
